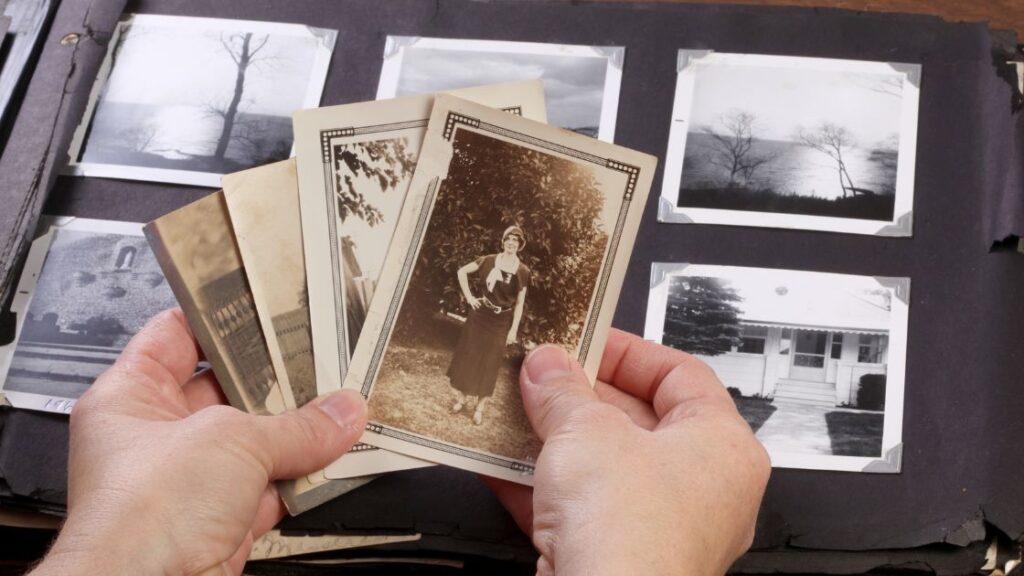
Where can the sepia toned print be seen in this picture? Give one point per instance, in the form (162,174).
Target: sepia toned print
(99,286)
(355,165)
(187,100)
(502,246)
(790,142)
(814,361)
(264,207)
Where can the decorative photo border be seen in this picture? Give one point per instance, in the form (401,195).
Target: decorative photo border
(452,115)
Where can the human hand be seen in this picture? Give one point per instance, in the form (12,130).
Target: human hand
(163,479)
(474,302)
(652,471)
(511,338)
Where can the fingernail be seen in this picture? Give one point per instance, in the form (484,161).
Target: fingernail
(346,408)
(547,363)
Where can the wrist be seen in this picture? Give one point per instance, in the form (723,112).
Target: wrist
(87,546)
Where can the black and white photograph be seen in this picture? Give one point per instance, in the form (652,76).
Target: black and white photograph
(789,142)
(814,361)
(187,100)
(501,246)
(99,286)
(581,83)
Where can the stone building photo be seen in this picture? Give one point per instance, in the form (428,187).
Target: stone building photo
(95,291)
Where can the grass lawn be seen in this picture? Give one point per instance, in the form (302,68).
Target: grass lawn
(412,393)
(855,433)
(878,207)
(754,410)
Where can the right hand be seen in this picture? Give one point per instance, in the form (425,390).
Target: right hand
(474,302)
(652,471)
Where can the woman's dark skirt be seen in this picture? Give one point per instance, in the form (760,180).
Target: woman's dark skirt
(480,352)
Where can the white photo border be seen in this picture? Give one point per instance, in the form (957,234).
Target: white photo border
(395,47)
(318,79)
(901,225)
(890,460)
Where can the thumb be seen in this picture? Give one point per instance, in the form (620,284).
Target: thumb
(300,442)
(553,386)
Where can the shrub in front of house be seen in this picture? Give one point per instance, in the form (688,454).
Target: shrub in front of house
(871,395)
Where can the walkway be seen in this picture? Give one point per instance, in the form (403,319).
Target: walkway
(796,428)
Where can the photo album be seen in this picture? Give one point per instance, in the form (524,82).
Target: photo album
(775,214)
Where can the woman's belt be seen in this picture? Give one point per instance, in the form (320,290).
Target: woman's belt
(494,307)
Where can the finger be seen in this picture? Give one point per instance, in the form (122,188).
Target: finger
(641,368)
(203,390)
(516,498)
(553,387)
(640,412)
(269,512)
(236,564)
(166,345)
(300,442)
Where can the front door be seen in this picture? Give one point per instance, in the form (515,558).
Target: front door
(809,349)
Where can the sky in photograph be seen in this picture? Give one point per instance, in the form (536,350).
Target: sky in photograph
(573,85)
(799,297)
(167,66)
(785,99)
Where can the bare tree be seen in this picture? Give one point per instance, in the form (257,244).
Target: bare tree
(732,149)
(243,51)
(833,141)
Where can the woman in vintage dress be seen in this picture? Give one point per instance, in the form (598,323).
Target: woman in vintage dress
(496,309)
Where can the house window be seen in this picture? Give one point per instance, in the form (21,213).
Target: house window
(837,346)
(869,349)
(125,258)
(752,339)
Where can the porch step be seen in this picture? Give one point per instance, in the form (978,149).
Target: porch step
(804,392)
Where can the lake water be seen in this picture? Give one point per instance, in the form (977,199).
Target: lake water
(795,169)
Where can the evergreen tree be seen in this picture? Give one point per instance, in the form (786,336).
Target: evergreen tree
(701,317)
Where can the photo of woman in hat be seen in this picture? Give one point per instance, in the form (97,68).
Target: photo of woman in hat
(496,299)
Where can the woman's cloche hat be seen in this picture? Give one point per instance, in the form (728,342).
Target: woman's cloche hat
(514,230)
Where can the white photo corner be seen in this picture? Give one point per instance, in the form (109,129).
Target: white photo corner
(186,100)
(815,361)
(792,142)
(581,83)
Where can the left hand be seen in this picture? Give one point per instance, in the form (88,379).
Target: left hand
(164,479)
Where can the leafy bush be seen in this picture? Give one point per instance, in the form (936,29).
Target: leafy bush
(734,391)
(871,395)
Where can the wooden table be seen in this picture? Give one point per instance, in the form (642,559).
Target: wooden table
(1001,14)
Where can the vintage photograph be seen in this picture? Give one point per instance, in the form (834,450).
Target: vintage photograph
(581,83)
(814,361)
(187,100)
(355,164)
(99,286)
(263,204)
(501,246)
(789,142)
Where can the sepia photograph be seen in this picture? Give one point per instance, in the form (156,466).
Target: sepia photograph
(788,142)
(355,164)
(263,204)
(99,286)
(187,100)
(814,361)
(581,83)
(502,246)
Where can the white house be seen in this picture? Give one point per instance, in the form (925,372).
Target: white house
(806,341)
